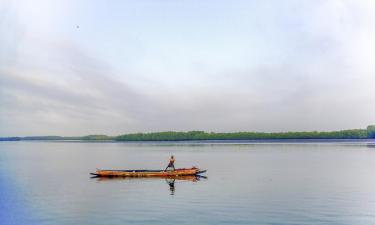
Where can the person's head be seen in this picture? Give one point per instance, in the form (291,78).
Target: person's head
(172,157)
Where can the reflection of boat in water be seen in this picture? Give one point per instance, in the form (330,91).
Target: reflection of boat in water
(169,179)
(148,173)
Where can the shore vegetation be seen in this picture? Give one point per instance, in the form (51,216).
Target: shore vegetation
(367,133)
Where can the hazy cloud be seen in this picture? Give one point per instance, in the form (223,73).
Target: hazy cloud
(127,67)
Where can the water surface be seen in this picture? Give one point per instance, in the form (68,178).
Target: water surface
(247,183)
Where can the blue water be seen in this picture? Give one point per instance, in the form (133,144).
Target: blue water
(247,183)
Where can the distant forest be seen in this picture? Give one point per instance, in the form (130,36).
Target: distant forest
(201,135)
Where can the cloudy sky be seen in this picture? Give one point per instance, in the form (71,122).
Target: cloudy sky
(113,67)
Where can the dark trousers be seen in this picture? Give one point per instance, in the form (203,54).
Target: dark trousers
(170,165)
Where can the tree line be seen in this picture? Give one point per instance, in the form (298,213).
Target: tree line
(201,135)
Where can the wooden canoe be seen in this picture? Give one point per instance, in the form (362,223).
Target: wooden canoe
(147,173)
(192,178)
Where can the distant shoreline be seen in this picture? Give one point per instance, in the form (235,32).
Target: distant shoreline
(370,142)
(353,134)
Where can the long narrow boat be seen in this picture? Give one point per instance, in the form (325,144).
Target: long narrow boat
(148,173)
(193,178)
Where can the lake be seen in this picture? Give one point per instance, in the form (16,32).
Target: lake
(247,183)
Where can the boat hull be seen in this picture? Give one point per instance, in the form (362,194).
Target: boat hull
(147,173)
(192,178)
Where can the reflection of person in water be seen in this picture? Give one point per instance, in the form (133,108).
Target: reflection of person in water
(171,185)
(171,163)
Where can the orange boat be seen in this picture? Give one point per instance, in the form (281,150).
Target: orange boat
(193,178)
(148,173)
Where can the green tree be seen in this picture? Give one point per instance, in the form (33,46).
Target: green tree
(371,131)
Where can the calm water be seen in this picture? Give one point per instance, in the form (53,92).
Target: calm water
(257,183)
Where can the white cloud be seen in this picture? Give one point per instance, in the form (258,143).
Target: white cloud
(297,65)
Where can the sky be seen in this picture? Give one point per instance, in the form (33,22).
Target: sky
(113,67)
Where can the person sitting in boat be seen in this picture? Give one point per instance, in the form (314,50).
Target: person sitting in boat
(171,163)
